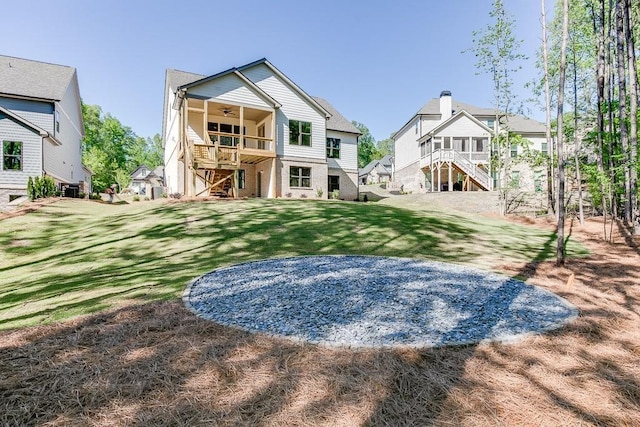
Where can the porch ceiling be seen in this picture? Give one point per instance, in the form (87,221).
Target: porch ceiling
(225,110)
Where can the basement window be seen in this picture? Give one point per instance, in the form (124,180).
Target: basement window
(299,177)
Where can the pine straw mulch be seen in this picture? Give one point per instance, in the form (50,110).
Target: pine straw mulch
(157,364)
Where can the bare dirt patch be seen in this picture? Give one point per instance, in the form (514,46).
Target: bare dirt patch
(157,364)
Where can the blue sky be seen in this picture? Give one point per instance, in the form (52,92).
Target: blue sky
(377,62)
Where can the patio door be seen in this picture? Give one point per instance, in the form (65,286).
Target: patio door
(259,184)
(333,184)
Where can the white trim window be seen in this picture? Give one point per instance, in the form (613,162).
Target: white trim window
(299,177)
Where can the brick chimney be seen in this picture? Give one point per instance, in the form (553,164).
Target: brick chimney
(446,105)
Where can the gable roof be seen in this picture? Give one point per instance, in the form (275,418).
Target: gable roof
(142,166)
(380,165)
(517,123)
(177,78)
(452,119)
(433,107)
(238,74)
(34,79)
(16,118)
(290,82)
(337,121)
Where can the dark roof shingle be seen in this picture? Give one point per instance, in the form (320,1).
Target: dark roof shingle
(34,79)
(337,121)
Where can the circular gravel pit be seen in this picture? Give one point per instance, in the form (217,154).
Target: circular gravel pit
(368,301)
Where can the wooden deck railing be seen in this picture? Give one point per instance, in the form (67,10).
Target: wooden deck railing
(462,162)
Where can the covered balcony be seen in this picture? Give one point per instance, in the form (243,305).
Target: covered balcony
(219,139)
(456,163)
(223,136)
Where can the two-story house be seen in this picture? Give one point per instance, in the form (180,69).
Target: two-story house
(252,132)
(41,127)
(447,146)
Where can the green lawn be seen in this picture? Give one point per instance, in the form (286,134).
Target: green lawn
(77,257)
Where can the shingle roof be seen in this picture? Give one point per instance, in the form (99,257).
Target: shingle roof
(517,123)
(177,78)
(23,77)
(337,121)
(382,166)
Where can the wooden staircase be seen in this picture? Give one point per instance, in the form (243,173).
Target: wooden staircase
(220,182)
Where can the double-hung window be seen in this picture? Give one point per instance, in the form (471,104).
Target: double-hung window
(299,177)
(300,133)
(12,155)
(333,148)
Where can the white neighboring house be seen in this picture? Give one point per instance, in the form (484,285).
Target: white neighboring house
(446,146)
(41,128)
(143,179)
(377,171)
(252,132)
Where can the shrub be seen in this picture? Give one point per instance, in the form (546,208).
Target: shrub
(319,192)
(175,195)
(335,194)
(95,196)
(30,189)
(365,198)
(81,195)
(146,198)
(40,187)
(136,198)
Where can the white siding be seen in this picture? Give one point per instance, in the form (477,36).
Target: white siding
(463,126)
(536,141)
(229,88)
(294,107)
(195,130)
(65,161)
(171,133)
(428,123)
(348,151)
(31,153)
(407,150)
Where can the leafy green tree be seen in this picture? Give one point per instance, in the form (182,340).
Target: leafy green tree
(497,53)
(367,150)
(122,178)
(112,150)
(386,146)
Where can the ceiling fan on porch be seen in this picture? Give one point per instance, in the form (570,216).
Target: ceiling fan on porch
(227,111)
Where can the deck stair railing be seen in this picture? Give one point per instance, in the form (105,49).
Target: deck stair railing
(474,172)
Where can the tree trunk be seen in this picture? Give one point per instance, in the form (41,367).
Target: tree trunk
(622,106)
(633,118)
(547,103)
(599,29)
(560,250)
(611,129)
(576,140)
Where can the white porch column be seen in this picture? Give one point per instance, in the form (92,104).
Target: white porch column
(431,170)
(440,177)
(450,188)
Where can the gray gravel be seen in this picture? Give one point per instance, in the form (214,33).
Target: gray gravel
(366,301)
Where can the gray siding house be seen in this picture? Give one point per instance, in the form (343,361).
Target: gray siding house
(41,127)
